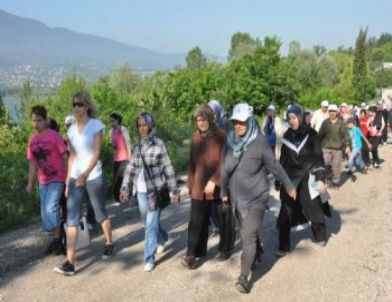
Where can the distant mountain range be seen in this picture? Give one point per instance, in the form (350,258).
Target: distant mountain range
(26,41)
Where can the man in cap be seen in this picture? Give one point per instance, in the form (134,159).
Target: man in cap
(344,112)
(319,116)
(334,139)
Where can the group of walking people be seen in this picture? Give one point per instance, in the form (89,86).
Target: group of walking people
(231,165)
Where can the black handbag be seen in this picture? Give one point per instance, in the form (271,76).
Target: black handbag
(163,194)
(163,197)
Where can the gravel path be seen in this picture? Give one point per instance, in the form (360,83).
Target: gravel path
(356,265)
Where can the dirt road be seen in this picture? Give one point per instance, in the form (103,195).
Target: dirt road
(356,265)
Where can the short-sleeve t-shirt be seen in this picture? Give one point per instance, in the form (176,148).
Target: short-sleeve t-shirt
(83,145)
(47,150)
(356,137)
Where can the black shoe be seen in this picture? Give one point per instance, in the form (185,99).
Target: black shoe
(224,256)
(242,284)
(189,262)
(67,269)
(108,252)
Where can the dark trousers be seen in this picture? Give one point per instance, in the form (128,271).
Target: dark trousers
(226,227)
(365,153)
(249,229)
(375,141)
(118,175)
(215,216)
(319,231)
(198,227)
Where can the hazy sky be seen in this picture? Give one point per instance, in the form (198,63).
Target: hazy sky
(179,25)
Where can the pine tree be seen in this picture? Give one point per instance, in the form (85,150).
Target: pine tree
(362,84)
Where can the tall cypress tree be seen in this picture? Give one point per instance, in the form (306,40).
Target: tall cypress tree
(360,79)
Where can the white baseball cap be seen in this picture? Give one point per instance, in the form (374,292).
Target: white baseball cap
(324,103)
(271,107)
(332,107)
(343,105)
(241,112)
(363,105)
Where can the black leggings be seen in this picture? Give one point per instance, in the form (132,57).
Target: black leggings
(375,141)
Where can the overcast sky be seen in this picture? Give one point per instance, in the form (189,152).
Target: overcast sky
(178,25)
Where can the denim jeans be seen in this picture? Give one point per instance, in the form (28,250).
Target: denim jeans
(96,191)
(50,195)
(154,234)
(355,159)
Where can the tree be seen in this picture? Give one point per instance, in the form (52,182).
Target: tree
(242,44)
(384,38)
(319,50)
(312,68)
(124,79)
(195,58)
(260,78)
(364,86)
(4,117)
(26,92)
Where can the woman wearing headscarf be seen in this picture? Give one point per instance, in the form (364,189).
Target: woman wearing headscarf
(149,170)
(203,181)
(302,158)
(247,161)
(221,119)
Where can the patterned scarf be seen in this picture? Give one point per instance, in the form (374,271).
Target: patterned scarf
(239,143)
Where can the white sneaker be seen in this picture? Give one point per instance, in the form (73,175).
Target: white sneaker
(148,267)
(160,248)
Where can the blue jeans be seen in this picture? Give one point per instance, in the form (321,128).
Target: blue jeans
(50,195)
(96,191)
(355,158)
(154,234)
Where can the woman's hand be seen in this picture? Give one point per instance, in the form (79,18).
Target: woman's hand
(321,186)
(209,190)
(175,198)
(123,196)
(293,194)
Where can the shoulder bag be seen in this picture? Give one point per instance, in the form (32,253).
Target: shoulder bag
(162,195)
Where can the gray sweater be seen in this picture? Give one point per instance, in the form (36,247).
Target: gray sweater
(248,186)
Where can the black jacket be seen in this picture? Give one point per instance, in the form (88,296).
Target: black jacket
(301,153)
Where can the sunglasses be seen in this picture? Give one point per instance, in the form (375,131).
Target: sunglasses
(77,104)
